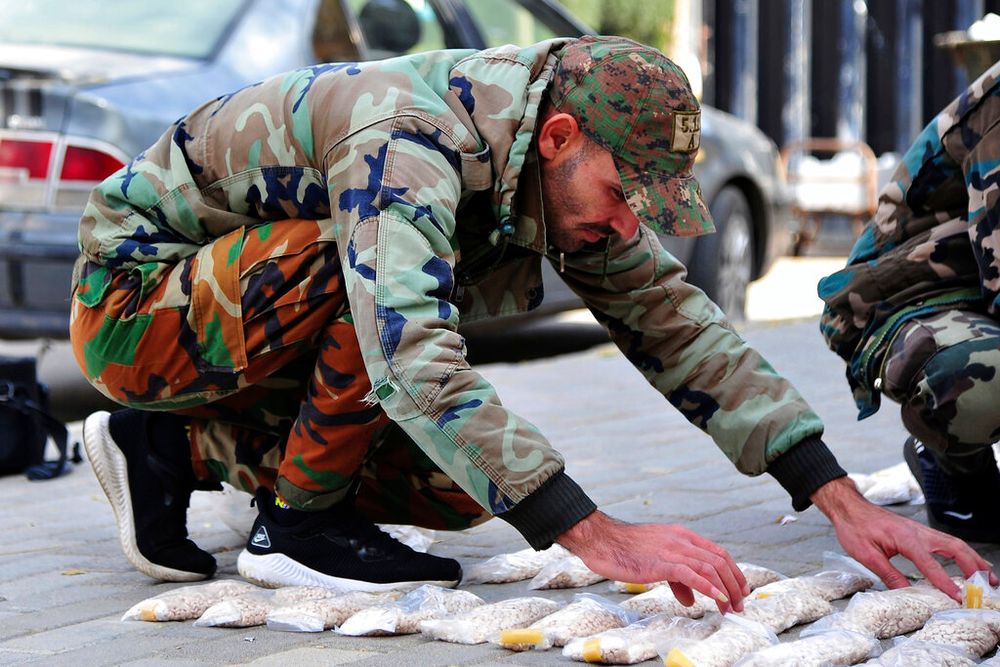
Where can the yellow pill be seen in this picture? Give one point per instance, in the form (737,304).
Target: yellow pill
(676,658)
(636,588)
(761,596)
(592,651)
(521,636)
(973,596)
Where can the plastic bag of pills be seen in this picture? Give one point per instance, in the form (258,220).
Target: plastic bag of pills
(478,625)
(187,602)
(518,566)
(755,575)
(736,637)
(243,611)
(587,615)
(636,642)
(568,572)
(403,616)
(323,613)
(661,600)
(820,649)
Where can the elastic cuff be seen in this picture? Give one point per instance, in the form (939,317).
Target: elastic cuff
(555,507)
(804,468)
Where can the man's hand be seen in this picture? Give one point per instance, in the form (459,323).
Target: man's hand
(873,535)
(644,553)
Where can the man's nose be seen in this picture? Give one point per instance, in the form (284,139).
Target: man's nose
(625,224)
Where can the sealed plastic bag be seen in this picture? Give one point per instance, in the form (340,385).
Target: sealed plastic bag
(887,614)
(820,649)
(323,613)
(287,595)
(187,602)
(637,642)
(785,610)
(829,584)
(755,575)
(661,600)
(841,576)
(587,615)
(736,637)
(518,566)
(403,616)
(568,572)
(977,631)
(242,611)
(478,625)
(916,653)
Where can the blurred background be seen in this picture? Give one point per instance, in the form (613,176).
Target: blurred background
(807,107)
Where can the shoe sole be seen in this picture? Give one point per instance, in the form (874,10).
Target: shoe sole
(277,570)
(111,470)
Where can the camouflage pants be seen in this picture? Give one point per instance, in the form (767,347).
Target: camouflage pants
(293,418)
(943,371)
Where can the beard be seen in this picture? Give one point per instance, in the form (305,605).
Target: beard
(561,206)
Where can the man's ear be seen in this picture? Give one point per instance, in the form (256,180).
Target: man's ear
(558,132)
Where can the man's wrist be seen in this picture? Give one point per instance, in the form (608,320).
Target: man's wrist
(837,498)
(584,531)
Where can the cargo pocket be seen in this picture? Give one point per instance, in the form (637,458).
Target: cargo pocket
(216,313)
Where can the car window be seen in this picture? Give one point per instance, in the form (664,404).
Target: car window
(507,22)
(397,27)
(184,28)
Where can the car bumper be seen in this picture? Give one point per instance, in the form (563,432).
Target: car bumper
(37,251)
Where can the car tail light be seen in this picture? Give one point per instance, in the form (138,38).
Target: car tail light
(25,158)
(88,164)
(49,171)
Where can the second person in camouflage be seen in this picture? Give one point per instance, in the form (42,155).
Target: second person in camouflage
(915,311)
(274,290)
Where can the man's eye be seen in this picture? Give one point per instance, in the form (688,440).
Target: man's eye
(619,195)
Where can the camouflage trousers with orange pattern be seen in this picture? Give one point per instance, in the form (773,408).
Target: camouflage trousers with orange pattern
(293,419)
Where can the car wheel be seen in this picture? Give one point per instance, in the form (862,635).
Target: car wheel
(722,263)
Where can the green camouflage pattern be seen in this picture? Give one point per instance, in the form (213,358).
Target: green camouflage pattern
(942,369)
(932,244)
(420,171)
(638,104)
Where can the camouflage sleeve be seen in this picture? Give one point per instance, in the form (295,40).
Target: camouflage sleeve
(394,189)
(679,340)
(981,177)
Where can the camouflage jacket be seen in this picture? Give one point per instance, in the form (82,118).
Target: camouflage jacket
(931,244)
(416,161)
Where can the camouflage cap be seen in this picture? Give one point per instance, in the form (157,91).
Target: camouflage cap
(638,104)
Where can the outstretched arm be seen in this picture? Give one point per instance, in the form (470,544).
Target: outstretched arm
(873,535)
(643,553)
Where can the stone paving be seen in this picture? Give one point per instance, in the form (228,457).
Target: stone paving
(64,583)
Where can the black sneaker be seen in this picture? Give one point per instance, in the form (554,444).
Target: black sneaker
(150,505)
(964,507)
(336,548)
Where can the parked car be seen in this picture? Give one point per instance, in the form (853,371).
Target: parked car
(85,86)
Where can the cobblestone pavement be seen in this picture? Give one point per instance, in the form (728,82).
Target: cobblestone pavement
(64,583)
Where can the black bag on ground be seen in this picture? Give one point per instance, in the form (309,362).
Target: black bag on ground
(26,424)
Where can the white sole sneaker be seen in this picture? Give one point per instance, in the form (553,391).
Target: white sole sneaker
(111,470)
(277,570)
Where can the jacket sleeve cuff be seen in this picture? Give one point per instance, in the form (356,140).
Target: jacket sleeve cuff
(803,469)
(552,509)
